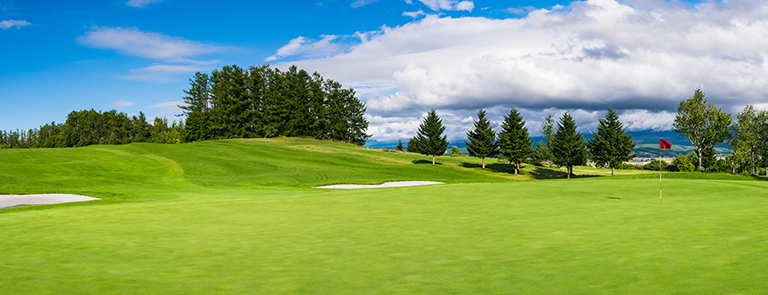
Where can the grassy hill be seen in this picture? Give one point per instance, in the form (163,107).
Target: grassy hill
(241,216)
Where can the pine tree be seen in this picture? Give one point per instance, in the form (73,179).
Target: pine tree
(547,130)
(399,145)
(431,140)
(413,146)
(514,142)
(568,147)
(482,140)
(610,146)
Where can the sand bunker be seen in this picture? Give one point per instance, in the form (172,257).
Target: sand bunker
(16,200)
(387,184)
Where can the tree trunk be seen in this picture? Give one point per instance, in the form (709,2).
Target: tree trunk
(483,162)
(568,171)
(753,164)
(699,160)
(433,159)
(517,167)
(613,171)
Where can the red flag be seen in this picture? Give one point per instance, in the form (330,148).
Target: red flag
(663,144)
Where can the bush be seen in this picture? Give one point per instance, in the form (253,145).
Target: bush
(654,165)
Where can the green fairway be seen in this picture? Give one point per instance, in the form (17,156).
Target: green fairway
(241,216)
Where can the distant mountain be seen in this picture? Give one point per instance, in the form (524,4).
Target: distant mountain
(647,144)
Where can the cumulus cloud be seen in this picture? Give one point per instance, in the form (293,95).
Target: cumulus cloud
(132,41)
(7,24)
(141,3)
(641,59)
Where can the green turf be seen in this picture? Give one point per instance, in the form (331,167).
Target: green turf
(240,216)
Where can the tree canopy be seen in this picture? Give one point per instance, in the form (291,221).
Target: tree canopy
(568,147)
(514,141)
(610,146)
(482,140)
(430,139)
(701,123)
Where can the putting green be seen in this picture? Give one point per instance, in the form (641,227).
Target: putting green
(163,227)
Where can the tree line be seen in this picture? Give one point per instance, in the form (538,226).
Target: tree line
(229,103)
(703,124)
(263,102)
(88,127)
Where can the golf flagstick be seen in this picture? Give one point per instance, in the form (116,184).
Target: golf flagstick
(663,144)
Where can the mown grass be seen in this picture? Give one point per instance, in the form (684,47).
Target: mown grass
(240,216)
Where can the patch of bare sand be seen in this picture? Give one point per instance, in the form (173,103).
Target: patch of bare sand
(45,199)
(386,184)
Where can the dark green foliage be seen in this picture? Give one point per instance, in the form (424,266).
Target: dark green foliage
(88,127)
(266,102)
(482,140)
(399,145)
(514,142)
(653,165)
(610,145)
(413,146)
(540,153)
(568,147)
(430,138)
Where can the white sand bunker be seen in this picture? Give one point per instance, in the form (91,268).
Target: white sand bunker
(16,200)
(387,184)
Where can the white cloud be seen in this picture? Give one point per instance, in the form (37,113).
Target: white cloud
(7,24)
(308,48)
(414,14)
(162,73)
(132,41)
(141,3)
(438,5)
(120,104)
(641,59)
(167,110)
(361,3)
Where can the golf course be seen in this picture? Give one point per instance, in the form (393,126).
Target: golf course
(242,216)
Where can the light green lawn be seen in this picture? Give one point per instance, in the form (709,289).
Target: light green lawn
(240,216)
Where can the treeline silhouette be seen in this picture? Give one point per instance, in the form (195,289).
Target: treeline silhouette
(265,102)
(228,103)
(88,127)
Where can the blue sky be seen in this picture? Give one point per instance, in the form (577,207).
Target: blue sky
(402,57)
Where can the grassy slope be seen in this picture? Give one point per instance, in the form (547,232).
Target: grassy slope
(240,217)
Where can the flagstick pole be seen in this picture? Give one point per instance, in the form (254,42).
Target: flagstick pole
(659,173)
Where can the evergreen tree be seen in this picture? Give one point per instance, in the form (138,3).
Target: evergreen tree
(482,140)
(610,146)
(413,146)
(547,130)
(431,140)
(399,145)
(568,147)
(514,142)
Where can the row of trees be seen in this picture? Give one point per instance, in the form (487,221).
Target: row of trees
(705,126)
(230,103)
(88,127)
(565,146)
(265,102)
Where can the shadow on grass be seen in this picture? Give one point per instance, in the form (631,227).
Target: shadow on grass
(537,173)
(425,162)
